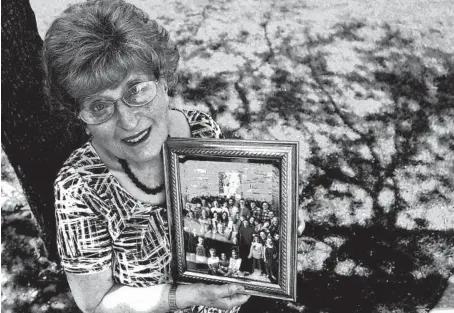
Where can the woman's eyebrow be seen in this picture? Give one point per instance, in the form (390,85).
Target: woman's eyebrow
(135,81)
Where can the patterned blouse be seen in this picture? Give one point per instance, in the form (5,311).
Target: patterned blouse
(100,225)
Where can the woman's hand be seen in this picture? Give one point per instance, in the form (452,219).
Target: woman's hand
(301,221)
(223,297)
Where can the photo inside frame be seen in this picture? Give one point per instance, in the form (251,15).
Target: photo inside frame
(230,215)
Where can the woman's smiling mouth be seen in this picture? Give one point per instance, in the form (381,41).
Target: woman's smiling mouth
(138,138)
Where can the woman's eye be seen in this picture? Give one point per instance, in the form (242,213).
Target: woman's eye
(98,107)
(135,89)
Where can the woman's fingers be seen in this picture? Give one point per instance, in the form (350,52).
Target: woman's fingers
(228,290)
(224,296)
(234,300)
(230,302)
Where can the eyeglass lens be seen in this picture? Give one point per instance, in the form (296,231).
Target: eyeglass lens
(100,111)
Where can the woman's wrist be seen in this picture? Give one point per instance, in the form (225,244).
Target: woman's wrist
(184,296)
(172,298)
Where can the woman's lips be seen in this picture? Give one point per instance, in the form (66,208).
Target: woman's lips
(137,139)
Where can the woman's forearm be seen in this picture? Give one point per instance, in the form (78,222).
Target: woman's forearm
(153,299)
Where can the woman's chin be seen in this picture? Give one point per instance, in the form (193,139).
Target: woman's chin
(145,151)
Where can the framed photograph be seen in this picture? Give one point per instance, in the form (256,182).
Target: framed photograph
(233,213)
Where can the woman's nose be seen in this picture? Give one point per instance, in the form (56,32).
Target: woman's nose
(127,118)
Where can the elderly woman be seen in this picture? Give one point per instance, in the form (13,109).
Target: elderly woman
(111,67)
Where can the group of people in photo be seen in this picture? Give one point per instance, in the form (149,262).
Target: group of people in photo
(235,238)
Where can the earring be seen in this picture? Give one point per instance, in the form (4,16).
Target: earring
(87,132)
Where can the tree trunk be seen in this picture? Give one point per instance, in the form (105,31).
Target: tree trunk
(36,139)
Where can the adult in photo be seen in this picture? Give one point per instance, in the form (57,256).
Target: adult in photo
(216,208)
(233,209)
(265,214)
(225,207)
(224,219)
(205,203)
(110,67)
(256,211)
(190,223)
(274,226)
(235,223)
(197,208)
(204,221)
(246,233)
(244,210)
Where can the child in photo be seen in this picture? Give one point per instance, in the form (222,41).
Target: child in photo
(270,257)
(213,262)
(256,253)
(223,265)
(234,265)
(200,252)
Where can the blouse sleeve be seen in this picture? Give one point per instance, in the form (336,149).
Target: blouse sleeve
(83,239)
(203,125)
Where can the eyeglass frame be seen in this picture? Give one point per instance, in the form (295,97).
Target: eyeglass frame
(122,98)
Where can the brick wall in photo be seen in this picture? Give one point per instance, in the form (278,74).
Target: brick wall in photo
(247,180)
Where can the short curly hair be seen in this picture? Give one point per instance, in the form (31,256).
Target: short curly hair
(93,45)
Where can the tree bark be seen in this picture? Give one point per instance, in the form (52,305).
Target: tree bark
(35,138)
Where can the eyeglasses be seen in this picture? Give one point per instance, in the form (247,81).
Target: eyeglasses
(100,111)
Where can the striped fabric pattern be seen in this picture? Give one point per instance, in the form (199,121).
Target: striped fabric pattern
(100,225)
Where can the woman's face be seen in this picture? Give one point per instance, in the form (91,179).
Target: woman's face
(224,215)
(133,133)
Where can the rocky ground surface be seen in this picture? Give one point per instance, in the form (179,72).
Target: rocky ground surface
(366,87)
